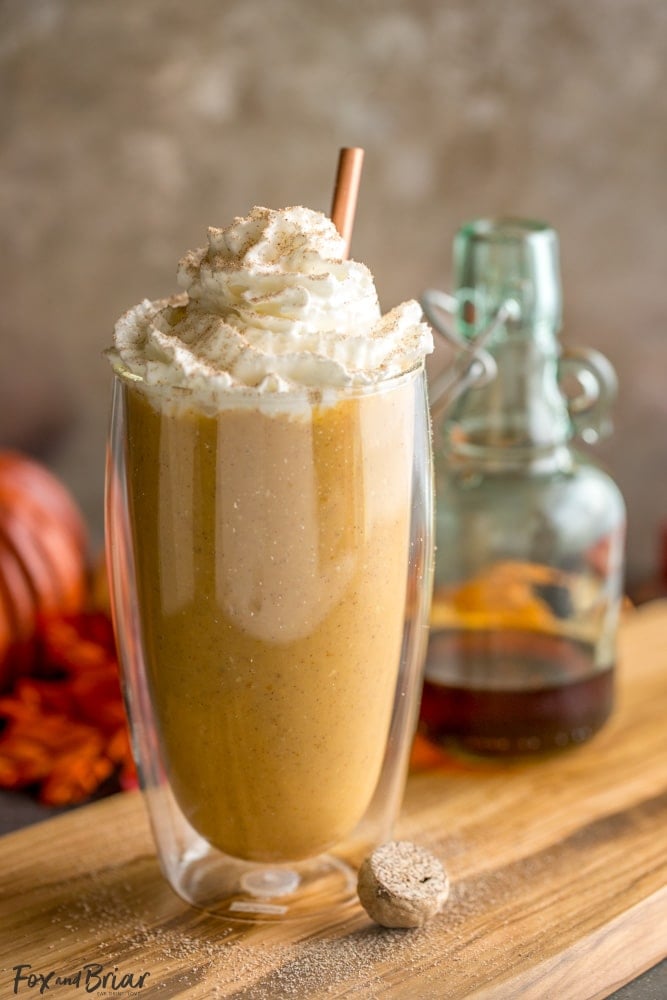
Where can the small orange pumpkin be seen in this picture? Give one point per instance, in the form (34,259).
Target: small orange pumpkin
(43,566)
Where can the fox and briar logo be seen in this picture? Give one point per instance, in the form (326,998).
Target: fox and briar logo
(91,978)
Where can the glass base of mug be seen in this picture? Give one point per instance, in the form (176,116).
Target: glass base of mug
(268,893)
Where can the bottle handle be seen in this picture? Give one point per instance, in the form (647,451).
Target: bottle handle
(589,401)
(472,365)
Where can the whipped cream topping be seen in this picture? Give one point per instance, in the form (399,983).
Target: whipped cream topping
(270,305)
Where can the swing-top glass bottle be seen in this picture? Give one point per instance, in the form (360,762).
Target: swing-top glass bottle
(529,532)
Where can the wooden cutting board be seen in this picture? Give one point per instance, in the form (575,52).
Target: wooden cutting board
(559,871)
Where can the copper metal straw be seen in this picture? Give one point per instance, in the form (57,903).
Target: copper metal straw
(346,191)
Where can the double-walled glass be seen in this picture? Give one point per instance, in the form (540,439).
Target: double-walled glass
(271,564)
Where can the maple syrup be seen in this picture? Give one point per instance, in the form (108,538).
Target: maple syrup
(525,693)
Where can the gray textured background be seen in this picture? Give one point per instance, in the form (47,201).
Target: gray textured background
(128,127)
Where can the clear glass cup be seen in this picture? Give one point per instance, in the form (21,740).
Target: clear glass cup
(271,572)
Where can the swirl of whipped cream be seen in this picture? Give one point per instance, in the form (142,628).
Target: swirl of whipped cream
(271,305)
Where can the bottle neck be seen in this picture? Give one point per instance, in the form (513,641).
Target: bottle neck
(520,414)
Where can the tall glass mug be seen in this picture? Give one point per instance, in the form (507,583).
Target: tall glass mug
(271,568)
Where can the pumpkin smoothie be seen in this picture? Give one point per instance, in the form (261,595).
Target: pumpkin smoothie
(270,421)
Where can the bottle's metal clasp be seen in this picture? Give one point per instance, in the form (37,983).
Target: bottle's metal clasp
(472,365)
(586,377)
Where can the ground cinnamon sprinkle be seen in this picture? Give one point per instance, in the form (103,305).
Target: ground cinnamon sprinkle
(219,964)
(64,733)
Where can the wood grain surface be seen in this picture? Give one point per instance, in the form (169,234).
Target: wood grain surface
(558,865)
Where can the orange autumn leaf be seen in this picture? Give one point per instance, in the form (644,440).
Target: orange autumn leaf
(65,732)
(120,751)
(34,698)
(95,698)
(118,747)
(74,777)
(22,762)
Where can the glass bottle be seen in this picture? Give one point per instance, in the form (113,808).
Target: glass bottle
(529,532)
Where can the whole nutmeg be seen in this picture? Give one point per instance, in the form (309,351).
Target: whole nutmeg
(402,885)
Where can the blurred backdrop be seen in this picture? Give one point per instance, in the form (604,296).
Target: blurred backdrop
(127,128)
